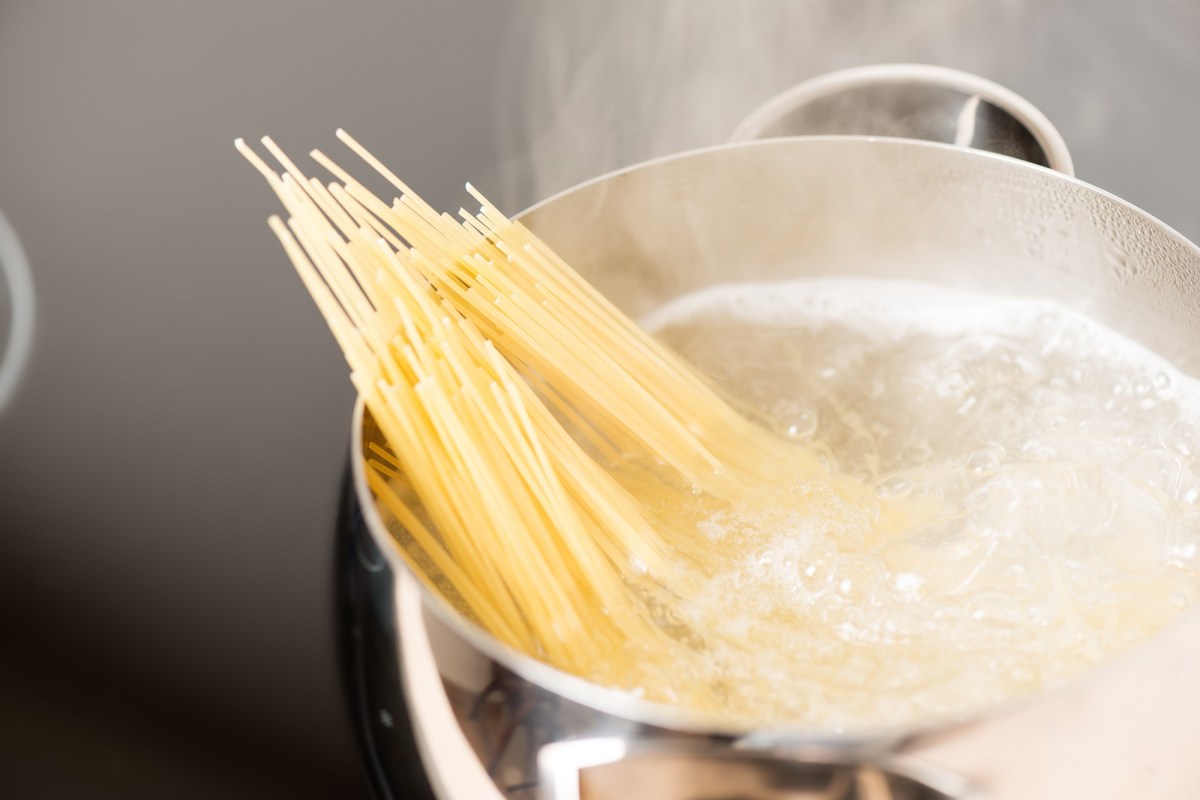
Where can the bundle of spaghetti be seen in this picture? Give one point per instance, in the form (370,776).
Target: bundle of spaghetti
(535,540)
(474,348)
(620,387)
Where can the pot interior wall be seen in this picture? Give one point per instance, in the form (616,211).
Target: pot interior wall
(849,206)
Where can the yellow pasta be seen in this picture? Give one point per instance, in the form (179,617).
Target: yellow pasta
(498,377)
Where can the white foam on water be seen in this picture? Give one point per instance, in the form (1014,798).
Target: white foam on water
(1062,461)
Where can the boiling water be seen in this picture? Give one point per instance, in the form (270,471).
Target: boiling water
(1050,468)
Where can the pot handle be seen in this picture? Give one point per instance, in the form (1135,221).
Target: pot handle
(613,768)
(912,101)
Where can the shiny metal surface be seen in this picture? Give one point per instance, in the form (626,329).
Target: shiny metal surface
(613,769)
(913,101)
(370,654)
(17,310)
(774,210)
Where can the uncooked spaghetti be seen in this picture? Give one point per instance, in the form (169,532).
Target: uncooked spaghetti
(449,326)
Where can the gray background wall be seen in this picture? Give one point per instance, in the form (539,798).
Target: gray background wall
(169,469)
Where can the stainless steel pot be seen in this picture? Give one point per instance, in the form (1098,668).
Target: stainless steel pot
(490,722)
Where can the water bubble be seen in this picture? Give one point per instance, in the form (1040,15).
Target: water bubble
(1183,542)
(1187,491)
(946,611)
(1157,469)
(984,462)
(1163,383)
(1184,553)
(1183,600)
(803,424)
(893,488)
(1084,580)
(1183,437)
(953,384)
(1033,369)
(1037,449)
(1004,410)
(907,583)
(994,607)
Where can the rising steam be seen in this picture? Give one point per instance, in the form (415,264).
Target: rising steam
(590,87)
